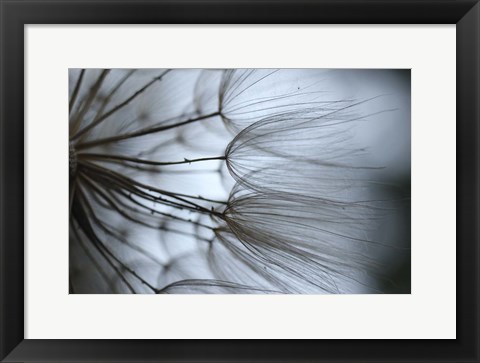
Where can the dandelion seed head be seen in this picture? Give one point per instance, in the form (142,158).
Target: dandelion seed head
(218,181)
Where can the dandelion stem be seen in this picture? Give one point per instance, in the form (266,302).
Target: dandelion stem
(154,211)
(114,206)
(143,132)
(149,162)
(110,112)
(78,117)
(129,207)
(131,184)
(73,98)
(105,102)
(99,243)
(82,218)
(89,254)
(109,230)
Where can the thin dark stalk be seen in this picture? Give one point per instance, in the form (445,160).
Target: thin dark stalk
(88,230)
(154,211)
(109,253)
(107,99)
(73,98)
(90,256)
(134,190)
(109,230)
(78,117)
(111,202)
(143,132)
(113,175)
(110,112)
(148,162)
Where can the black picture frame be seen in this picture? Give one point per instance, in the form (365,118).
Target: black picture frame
(15,14)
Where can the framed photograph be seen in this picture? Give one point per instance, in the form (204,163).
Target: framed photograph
(239,181)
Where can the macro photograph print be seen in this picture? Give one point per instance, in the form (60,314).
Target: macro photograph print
(239,181)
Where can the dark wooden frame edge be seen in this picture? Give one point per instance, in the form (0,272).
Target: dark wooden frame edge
(15,14)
